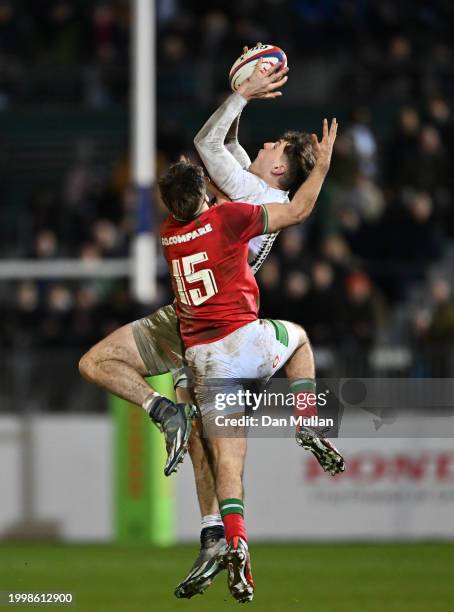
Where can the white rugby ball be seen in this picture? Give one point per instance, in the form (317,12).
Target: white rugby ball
(245,64)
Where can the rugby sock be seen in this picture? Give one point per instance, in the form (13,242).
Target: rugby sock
(212,528)
(232,511)
(212,520)
(305,391)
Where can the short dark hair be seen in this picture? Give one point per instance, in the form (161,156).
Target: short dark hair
(182,190)
(300,160)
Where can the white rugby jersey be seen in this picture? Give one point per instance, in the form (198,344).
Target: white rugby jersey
(259,192)
(227,162)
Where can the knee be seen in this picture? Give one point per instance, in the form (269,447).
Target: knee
(303,337)
(88,365)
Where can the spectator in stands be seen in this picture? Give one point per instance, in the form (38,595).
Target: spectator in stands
(63,36)
(401,158)
(57,320)
(364,141)
(441,329)
(360,315)
(25,317)
(293,306)
(324,306)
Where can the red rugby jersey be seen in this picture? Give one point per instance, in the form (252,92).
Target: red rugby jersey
(215,290)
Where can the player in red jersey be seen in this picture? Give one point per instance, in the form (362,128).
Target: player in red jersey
(217,304)
(215,289)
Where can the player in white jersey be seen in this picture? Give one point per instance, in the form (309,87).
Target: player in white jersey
(152,345)
(279,168)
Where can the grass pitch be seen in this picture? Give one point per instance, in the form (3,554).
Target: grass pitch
(289,577)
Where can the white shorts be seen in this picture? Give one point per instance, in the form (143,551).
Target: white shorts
(253,352)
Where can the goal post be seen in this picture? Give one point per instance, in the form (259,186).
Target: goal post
(144,500)
(143,146)
(144,497)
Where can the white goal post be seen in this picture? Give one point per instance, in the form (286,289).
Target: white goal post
(143,127)
(68,269)
(141,266)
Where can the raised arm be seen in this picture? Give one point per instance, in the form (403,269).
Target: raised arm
(226,162)
(221,165)
(303,202)
(232,143)
(233,146)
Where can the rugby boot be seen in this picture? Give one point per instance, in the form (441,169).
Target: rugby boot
(237,560)
(323,449)
(207,565)
(175,422)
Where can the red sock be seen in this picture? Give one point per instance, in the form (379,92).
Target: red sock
(306,399)
(234,526)
(305,394)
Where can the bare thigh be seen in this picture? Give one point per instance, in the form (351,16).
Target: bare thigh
(118,346)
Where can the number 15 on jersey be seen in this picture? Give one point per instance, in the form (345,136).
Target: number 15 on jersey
(184,273)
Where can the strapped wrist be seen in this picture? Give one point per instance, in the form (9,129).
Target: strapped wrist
(150,400)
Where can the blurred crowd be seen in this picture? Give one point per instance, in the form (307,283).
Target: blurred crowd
(70,51)
(380,242)
(384,50)
(373,264)
(76,51)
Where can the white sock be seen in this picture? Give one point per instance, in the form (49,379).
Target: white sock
(147,402)
(212,520)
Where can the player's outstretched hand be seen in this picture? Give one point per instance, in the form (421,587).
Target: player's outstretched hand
(264,84)
(323,150)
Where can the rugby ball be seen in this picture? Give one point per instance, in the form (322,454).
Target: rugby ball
(245,64)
